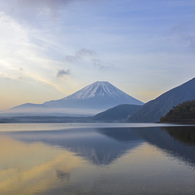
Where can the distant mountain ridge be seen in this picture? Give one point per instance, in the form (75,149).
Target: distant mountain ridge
(100,94)
(155,109)
(90,100)
(119,113)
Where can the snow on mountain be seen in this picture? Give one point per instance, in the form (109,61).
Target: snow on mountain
(99,88)
(99,95)
(90,100)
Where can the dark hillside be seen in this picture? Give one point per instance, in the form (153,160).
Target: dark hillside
(182,113)
(117,114)
(155,109)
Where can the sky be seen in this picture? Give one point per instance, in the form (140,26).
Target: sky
(51,48)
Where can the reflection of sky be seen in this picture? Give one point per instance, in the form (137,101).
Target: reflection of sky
(50,49)
(100,160)
(99,146)
(39,167)
(29,168)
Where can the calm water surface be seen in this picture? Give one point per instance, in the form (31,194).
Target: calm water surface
(97,159)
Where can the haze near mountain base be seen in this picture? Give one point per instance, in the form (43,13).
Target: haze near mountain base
(99,95)
(90,100)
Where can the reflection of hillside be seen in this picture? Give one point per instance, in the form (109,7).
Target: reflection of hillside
(172,145)
(99,146)
(183,134)
(104,145)
(120,134)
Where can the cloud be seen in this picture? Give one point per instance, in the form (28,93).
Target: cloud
(51,5)
(98,63)
(80,54)
(62,175)
(42,169)
(183,33)
(62,73)
(89,56)
(85,52)
(32,10)
(189,40)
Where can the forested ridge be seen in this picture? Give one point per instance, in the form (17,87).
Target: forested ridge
(182,113)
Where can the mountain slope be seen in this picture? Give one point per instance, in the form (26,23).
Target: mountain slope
(155,109)
(28,106)
(88,101)
(182,113)
(99,95)
(118,113)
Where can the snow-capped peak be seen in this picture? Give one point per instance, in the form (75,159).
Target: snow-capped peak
(99,95)
(99,88)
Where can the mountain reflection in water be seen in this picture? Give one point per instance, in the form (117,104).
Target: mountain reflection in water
(176,141)
(104,145)
(99,146)
(182,134)
(117,161)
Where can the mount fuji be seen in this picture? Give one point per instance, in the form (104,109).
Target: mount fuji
(99,95)
(90,100)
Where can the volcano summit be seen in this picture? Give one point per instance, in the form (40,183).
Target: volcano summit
(93,98)
(99,95)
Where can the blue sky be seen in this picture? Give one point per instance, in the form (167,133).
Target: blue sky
(52,48)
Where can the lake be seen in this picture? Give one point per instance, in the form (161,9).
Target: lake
(97,159)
